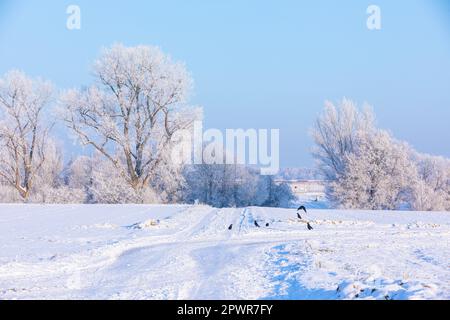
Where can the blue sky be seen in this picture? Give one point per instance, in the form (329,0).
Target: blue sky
(261,64)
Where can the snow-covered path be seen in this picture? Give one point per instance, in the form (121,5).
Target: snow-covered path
(187,252)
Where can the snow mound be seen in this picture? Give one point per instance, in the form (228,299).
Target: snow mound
(386,289)
(148,224)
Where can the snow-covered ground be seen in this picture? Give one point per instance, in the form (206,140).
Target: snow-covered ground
(187,252)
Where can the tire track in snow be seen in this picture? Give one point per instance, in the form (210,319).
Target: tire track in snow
(220,263)
(111,277)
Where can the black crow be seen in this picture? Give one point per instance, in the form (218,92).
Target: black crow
(301,208)
(267,224)
(309,226)
(299,216)
(230,227)
(256,224)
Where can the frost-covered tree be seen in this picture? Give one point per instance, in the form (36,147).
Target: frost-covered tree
(50,184)
(109,186)
(223,185)
(276,194)
(9,194)
(334,135)
(99,182)
(78,172)
(378,174)
(30,161)
(59,195)
(431,191)
(133,112)
(366,167)
(212,184)
(168,180)
(24,141)
(48,177)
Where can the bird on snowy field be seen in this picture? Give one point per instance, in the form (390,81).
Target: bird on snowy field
(256,224)
(230,227)
(267,224)
(299,216)
(302,208)
(309,226)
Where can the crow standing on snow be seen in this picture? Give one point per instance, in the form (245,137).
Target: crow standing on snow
(299,216)
(230,227)
(256,224)
(267,224)
(309,226)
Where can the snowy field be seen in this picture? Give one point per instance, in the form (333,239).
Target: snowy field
(187,252)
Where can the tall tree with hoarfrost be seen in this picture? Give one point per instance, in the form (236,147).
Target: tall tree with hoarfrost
(379,174)
(23,130)
(133,112)
(334,135)
(365,167)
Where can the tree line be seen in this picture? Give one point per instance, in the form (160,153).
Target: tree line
(127,118)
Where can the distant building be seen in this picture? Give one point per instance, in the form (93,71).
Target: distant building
(305,187)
